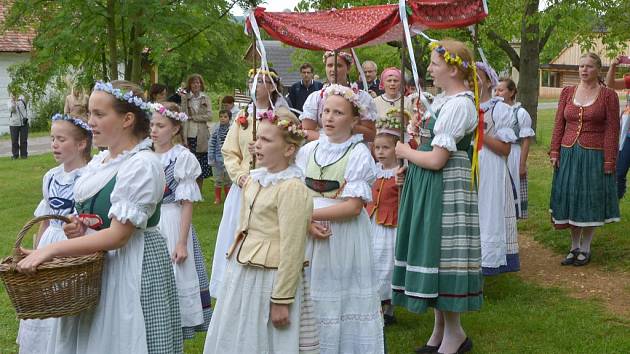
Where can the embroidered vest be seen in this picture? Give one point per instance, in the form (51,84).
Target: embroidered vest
(384,202)
(327,181)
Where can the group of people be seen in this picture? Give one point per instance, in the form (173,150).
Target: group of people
(331,218)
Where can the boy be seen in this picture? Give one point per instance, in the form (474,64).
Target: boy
(215,159)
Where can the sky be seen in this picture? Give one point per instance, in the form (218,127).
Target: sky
(270,5)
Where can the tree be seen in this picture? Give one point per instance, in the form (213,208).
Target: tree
(111,39)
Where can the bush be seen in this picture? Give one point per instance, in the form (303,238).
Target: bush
(44,109)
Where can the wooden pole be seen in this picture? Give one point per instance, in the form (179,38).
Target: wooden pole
(254,65)
(336,78)
(402,92)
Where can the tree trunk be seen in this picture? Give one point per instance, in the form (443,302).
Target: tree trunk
(137,48)
(528,88)
(111,39)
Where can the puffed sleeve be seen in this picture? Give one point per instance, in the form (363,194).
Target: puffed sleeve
(360,174)
(311,106)
(139,188)
(525,123)
(559,124)
(367,101)
(186,171)
(611,131)
(457,118)
(301,160)
(503,122)
(43,208)
(295,207)
(232,155)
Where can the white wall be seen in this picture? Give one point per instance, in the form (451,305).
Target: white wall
(6,60)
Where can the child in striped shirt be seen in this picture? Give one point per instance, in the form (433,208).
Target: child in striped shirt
(215,159)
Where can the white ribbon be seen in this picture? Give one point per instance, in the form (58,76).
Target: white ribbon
(360,69)
(264,66)
(402,9)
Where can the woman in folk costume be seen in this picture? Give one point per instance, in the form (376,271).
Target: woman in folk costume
(237,161)
(339,172)
(71,145)
(438,255)
(517,161)
(118,197)
(262,297)
(383,210)
(311,116)
(497,194)
(390,82)
(181,169)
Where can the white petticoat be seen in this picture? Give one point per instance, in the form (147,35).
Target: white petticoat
(225,237)
(34,335)
(514,164)
(186,277)
(241,320)
(384,244)
(344,288)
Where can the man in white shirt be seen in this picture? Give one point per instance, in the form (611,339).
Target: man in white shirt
(18,126)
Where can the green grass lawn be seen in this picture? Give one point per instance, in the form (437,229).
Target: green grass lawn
(517,316)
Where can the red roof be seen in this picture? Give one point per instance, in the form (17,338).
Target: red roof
(12,41)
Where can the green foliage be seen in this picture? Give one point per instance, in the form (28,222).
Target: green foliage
(44,108)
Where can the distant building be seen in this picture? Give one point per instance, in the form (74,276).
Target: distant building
(279,58)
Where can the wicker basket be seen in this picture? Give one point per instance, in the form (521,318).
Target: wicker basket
(63,286)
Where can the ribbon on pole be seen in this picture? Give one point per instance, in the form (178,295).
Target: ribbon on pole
(264,66)
(360,69)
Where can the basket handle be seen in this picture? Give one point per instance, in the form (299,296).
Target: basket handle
(17,254)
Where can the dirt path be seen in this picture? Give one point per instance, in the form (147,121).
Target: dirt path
(36,146)
(542,266)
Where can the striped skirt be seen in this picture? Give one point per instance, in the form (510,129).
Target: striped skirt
(438,264)
(200,266)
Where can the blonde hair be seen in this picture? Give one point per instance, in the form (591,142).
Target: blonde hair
(460,49)
(179,137)
(284,113)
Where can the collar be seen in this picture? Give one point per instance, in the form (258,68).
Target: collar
(171,155)
(326,146)
(266,178)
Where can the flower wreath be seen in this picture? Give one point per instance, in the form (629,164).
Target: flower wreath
(76,121)
(286,124)
(125,96)
(253,72)
(450,58)
(395,113)
(350,94)
(345,56)
(159,108)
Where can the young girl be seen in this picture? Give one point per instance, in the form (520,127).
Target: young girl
(517,161)
(313,106)
(118,193)
(181,170)
(497,202)
(71,146)
(259,305)
(339,171)
(237,161)
(383,211)
(437,244)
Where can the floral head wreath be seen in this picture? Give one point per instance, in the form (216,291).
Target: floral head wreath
(252,72)
(450,58)
(395,113)
(160,109)
(350,94)
(76,121)
(286,124)
(389,125)
(122,95)
(490,73)
(345,56)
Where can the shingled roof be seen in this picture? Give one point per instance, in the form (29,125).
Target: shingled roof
(13,41)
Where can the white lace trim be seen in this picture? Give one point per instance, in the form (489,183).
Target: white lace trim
(99,160)
(265,178)
(171,155)
(382,173)
(325,146)
(65,178)
(441,100)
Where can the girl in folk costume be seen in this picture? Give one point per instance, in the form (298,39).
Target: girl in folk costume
(261,301)
(118,195)
(497,195)
(390,82)
(198,107)
(181,170)
(437,261)
(313,106)
(383,210)
(339,171)
(71,145)
(237,161)
(517,161)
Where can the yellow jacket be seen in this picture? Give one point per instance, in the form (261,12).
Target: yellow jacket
(236,156)
(274,235)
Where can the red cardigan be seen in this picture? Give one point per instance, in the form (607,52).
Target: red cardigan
(593,127)
(384,201)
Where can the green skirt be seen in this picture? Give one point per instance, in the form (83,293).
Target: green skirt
(438,251)
(581,193)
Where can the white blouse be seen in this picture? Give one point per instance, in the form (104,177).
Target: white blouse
(498,119)
(186,171)
(266,178)
(60,176)
(139,183)
(360,170)
(457,117)
(524,121)
(383,173)
(314,104)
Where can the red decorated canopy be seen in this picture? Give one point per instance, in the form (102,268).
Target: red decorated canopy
(365,25)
